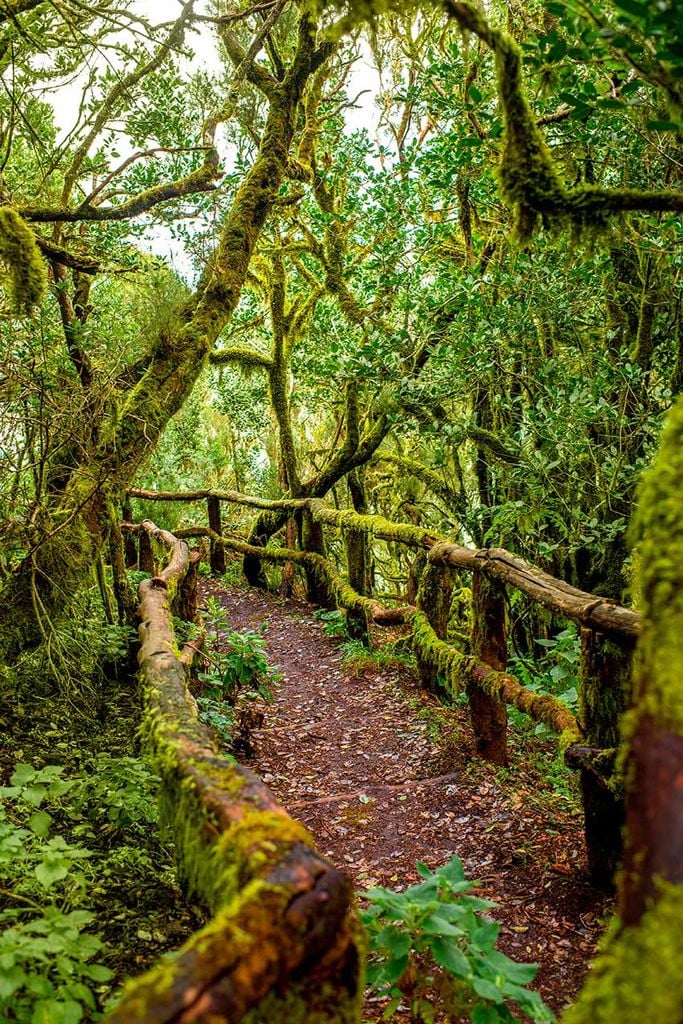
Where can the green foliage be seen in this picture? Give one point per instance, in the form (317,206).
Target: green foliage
(436,938)
(556,671)
(46,951)
(46,973)
(81,867)
(333,620)
(356,656)
(117,797)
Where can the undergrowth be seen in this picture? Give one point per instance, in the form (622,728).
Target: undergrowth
(88,893)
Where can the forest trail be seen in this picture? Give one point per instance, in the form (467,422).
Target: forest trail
(382,775)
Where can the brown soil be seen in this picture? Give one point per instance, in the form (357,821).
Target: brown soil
(383,775)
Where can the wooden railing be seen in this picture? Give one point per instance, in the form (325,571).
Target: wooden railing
(608,633)
(282,943)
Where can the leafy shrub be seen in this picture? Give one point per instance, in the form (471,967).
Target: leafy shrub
(556,671)
(236,672)
(433,948)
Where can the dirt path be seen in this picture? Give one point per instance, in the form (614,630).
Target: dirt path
(354,757)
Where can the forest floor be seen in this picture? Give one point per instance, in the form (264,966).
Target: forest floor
(383,776)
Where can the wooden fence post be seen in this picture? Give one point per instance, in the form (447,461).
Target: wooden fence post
(146,558)
(489,644)
(317,590)
(604,696)
(217,556)
(289,568)
(356,560)
(434,599)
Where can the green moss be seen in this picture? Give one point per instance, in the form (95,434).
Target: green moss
(659,523)
(376,526)
(638,976)
(360,12)
(21,256)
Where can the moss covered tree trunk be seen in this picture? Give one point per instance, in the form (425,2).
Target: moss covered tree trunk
(357,560)
(217,555)
(40,588)
(639,974)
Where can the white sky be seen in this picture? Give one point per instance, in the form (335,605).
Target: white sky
(67,98)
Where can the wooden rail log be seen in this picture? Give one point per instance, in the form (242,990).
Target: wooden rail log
(457,669)
(599,613)
(283,945)
(589,610)
(204,494)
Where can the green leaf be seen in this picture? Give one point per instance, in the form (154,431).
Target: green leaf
(23,774)
(453,871)
(395,942)
(40,822)
(34,794)
(530,1003)
(50,871)
(437,924)
(521,974)
(484,1014)
(11,979)
(37,985)
(54,1011)
(448,956)
(487,990)
(386,973)
(97,972)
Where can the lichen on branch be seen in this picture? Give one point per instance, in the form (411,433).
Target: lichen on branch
(24,265)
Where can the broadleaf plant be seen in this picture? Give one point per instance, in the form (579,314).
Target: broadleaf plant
(432,947)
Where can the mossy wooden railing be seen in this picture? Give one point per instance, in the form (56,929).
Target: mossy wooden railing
(283,942)
(608,634)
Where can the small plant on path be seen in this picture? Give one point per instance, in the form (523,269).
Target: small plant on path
(236,671)
(433,948)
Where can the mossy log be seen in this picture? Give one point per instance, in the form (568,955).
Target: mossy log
(284,943)
(459,669)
